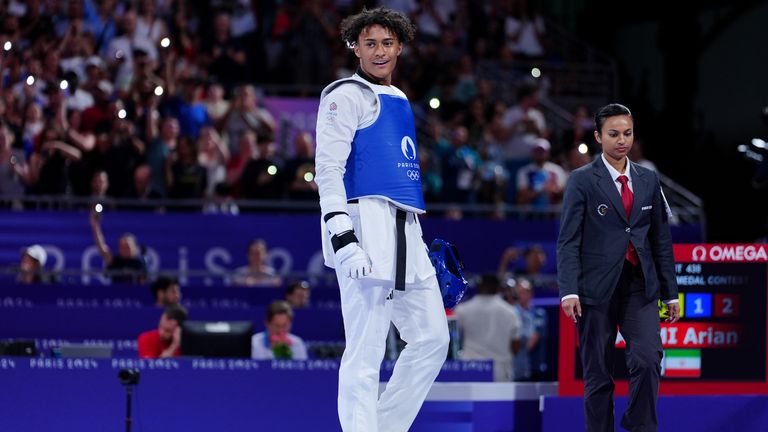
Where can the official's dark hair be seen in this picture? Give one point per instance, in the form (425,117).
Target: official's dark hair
(394,21)
(176,312)
(610,110)
(278,307)
(162,283)
(489,284)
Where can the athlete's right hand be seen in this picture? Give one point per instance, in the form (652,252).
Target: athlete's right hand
(354,261)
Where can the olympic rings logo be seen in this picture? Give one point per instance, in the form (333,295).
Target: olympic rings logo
(414,175)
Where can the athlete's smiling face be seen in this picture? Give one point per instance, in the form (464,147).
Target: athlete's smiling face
(378,48)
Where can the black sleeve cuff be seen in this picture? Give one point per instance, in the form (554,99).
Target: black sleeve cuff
(343,239)
(328,216)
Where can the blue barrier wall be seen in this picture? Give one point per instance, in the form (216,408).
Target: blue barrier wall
(218,243)
(212,395)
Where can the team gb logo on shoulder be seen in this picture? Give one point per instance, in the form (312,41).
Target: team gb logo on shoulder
(408,147)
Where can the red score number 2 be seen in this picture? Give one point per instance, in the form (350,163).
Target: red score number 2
(726,305)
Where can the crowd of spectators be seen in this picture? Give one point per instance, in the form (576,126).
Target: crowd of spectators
(163,98)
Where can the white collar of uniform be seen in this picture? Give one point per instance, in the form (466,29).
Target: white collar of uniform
(615,174)
(380,89)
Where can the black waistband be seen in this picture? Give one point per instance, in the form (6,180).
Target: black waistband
(400,250)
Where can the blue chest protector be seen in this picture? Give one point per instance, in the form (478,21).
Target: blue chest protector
(383,161)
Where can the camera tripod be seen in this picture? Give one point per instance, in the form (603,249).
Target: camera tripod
(129,378)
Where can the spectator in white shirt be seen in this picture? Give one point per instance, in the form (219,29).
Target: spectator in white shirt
(490,328)
(277,341)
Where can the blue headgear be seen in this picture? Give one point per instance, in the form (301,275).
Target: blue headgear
(449,271)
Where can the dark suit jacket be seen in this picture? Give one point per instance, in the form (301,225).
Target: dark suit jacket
(595,231)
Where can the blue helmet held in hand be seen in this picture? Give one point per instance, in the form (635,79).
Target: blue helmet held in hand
(449,271)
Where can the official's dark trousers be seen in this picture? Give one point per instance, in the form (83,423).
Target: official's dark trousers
(638,321)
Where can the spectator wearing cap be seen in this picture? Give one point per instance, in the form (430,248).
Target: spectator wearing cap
(541,183)
(33,260)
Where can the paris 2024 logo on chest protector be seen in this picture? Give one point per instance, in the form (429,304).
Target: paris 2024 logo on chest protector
(408,147)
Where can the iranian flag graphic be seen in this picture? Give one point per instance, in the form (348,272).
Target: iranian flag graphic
(682,363)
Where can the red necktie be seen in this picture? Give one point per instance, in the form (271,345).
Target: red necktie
(628,199)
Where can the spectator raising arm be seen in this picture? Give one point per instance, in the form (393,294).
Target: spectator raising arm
(98,237)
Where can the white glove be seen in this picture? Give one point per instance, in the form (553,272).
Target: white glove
(354,261)
(351,259)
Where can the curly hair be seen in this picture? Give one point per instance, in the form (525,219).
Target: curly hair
(394,21)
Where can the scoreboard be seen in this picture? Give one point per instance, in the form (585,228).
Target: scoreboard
(719,344)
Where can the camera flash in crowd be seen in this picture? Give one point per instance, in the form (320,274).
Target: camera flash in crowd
(536,72)
(272,170)
(121,114)
(7,45)
(583,148)
(98,208)
(30,80)
(165,42)
(434,103)
(757,142)
(308,177)
(63,84)
(158,91)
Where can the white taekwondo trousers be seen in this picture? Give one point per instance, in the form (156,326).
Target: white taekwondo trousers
(368,305)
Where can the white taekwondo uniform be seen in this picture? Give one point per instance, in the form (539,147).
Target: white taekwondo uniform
(350,111)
